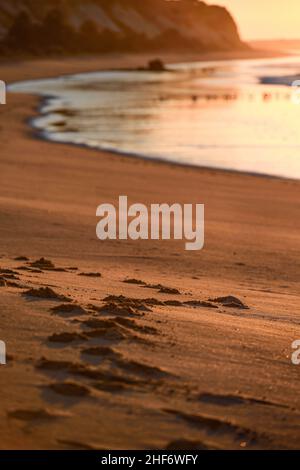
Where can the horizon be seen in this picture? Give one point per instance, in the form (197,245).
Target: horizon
(253,18)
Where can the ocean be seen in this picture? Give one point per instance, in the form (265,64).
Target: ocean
(238,115)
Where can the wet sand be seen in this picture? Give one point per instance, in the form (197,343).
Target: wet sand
(98,363)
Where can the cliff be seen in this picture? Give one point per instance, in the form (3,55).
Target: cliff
(103,25)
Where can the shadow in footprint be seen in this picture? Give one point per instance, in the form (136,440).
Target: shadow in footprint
(61,339)
(45,293)
(68,310)
(37,415)
(69,393)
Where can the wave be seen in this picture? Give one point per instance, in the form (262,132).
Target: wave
(287,80)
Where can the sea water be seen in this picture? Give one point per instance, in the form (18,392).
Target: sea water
(234,115)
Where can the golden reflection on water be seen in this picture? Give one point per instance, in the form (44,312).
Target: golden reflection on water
(215,114)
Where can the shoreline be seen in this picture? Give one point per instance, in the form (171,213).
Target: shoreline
(164,360)
(42,134)
(160,161)
(80,64)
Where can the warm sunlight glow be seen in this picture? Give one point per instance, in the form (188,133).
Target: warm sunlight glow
(265,19)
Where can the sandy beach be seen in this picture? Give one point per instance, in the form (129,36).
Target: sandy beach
(168,360)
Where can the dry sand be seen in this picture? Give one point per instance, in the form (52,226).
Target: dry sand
(161,372)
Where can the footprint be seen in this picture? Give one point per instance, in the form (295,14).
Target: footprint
(70,389)
(186,444)
(190,303)
(103,352)
(141,369)
(10,277)
(111,330)
(21,258)
(69,310)
(134,303)
(111,386)
(66,337)
(131,324)
(49,365)
(98,323)
(111,334)
(230,302)
(115,309)
(40,414)
(6,282)
(31,270)
(235,400)
(168,290)
(102,376)
(162,289)
(46,265)
(73,368)
(8,271)
(46,293)
(42,263)
(218,426)
(17,285)
(135,281)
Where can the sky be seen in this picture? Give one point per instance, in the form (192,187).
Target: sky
(265,19)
